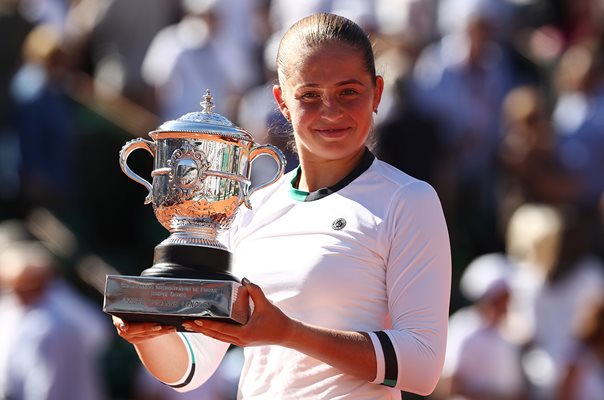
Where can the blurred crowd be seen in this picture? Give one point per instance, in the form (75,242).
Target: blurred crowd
(499,104)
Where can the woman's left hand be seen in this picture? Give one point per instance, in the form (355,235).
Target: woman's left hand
(267,324)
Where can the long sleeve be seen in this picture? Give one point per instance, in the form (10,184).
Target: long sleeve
(418,283)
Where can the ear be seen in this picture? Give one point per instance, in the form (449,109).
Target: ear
(378,91)
(278,94)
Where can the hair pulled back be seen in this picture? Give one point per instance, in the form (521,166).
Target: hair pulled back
(318,29)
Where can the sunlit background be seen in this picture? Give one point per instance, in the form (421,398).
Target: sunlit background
(499,104)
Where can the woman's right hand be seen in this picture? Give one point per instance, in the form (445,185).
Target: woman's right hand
(139,332)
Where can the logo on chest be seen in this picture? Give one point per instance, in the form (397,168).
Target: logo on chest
(338,224)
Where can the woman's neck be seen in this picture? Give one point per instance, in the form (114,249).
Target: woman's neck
(317,174)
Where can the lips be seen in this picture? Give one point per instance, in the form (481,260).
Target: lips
(333,132)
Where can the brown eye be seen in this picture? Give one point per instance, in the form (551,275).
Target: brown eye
(349,92)
(309,95)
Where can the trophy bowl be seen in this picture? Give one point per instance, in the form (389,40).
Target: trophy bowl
(201,176)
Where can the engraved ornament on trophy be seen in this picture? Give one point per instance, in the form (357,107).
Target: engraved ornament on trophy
(201,176)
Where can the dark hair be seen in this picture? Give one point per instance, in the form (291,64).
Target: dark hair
(321,28)
(592,330)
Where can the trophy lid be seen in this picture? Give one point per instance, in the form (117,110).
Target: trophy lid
(204,121)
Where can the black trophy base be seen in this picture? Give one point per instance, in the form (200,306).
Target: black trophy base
(192,262)
(184,283)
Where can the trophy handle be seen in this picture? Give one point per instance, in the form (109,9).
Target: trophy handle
(125,152)
(275,154)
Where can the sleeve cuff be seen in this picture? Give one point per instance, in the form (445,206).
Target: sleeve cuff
(379,357)
(188,376)
(387,359)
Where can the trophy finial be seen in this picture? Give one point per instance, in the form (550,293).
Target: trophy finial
(207,104)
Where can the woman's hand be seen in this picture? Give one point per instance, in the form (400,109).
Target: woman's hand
(267,324)
(140,332)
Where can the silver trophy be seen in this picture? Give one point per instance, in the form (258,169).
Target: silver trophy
(201,176)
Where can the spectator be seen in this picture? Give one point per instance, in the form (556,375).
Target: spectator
(118,46)
(461,81)
(42,354)
(14,28)
(43,121)
(567,280)
(578,118)
(483,354)
(406,138)
(183,61)
(530,167)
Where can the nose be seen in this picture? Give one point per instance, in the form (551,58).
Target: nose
(331,109)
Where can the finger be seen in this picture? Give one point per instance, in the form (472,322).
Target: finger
(214,334)
(119,323)
(146,335)
(143,327)
(134,328)
(215,328)
(255,292)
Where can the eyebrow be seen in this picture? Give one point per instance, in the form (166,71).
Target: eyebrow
(342,83)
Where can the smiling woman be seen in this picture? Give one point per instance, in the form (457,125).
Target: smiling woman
(349,256)
(328,90)
(329,99)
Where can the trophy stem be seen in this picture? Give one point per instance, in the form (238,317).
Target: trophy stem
(191,235)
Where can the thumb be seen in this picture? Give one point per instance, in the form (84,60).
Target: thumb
(256,294)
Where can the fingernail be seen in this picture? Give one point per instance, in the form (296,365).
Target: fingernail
(245,281)
(156,328)
(198,322)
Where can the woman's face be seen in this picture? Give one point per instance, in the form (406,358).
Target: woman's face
(329,97)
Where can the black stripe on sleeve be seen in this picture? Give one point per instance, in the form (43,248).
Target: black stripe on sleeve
(187,381)
(391,367)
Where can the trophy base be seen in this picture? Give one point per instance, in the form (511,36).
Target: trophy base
(184,283)
(170,301)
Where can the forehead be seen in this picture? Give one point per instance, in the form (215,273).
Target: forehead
(326,63)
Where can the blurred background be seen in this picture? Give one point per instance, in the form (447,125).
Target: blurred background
(499,104)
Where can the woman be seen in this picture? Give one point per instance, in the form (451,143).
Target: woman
(351,255)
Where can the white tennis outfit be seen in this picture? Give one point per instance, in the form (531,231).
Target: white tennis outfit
(369,254)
